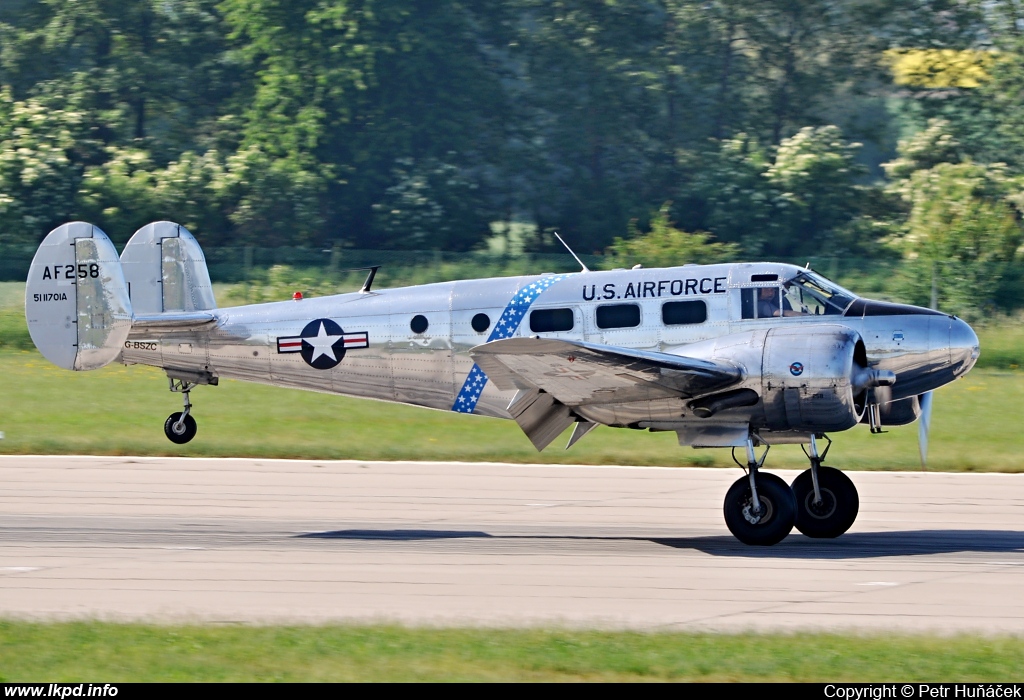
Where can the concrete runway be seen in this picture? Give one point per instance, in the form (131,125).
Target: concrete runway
(240,540)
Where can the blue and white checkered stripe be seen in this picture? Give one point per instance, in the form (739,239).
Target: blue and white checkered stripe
(506,326)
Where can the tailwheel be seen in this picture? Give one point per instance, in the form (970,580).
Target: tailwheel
(180,428)
(833,510)
(769,520)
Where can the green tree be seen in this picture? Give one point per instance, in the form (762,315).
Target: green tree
(962,234)
(799,199)
(39,175)
(814,177)
(347,90)
(664,245)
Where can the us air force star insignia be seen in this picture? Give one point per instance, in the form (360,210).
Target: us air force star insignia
(323,343)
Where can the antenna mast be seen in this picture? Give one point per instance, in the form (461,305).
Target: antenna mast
(585,268)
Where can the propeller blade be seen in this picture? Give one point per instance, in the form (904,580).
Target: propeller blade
(923,428)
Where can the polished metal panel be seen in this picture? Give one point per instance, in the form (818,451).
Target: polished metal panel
(176,296)
(807,380)
(666,412)
(421,364)
(104,312)
(166,270)
(813,373)
(51,302)
(468,298)
(76,300)
(964,348)
(578,373)
(915,347)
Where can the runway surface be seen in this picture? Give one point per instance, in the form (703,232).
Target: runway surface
(226,541)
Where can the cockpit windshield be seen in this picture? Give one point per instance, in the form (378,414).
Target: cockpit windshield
(809,293)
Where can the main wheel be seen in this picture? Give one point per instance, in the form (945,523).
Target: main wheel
(837,510)
(775,520)
(182,432)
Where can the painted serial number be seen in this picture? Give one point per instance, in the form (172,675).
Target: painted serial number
(54,296)
(70,272)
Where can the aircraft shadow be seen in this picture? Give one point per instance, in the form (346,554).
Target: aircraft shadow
(796,546)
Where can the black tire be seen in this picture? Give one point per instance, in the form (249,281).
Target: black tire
(778,510)
(838,509)
(188,430)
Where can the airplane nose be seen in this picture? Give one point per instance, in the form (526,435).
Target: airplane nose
(964,348)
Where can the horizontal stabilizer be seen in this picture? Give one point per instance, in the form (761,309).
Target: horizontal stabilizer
(173,321)
(577,373)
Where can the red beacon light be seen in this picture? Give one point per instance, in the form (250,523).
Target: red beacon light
(297,296)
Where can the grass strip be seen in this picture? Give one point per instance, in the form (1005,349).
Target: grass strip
(121,410)
(104,652)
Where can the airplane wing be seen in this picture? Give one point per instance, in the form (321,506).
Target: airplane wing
(577,373)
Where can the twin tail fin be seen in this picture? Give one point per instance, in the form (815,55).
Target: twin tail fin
(82,299)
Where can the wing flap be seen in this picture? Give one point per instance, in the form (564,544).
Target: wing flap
(540,416)
(577,373)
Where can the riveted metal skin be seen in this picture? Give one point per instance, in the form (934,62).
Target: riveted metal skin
(166,270)
(813,365)
(76,299)
(428,369)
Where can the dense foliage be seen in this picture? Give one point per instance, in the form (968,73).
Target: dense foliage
(783,128)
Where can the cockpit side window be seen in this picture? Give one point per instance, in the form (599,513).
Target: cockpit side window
(761,302)
(807,294)
(812,294)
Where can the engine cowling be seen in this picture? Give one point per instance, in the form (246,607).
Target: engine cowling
(815,379)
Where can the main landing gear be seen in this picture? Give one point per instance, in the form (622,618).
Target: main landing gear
(180,426)
(760,509)
(826,500)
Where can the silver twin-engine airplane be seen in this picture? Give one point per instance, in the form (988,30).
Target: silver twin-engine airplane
(741,355)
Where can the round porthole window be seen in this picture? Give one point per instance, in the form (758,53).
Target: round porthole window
(481,322)
(418,324)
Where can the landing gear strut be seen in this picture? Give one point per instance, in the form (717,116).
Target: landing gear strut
(180,426)
(759,508)
(826,500)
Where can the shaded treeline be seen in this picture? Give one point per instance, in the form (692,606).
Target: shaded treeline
(454,124)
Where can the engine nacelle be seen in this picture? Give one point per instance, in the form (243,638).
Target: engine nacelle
(814,379)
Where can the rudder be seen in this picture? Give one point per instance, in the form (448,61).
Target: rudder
(76,298)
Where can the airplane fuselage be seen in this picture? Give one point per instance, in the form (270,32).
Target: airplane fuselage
(411,345)
(732,355)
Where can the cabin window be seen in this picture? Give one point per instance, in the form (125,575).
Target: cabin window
(481,322)
(618,316)
(418,324)
(677,313)
(551,320)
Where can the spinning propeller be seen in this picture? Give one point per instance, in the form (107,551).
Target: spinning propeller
(924,426)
